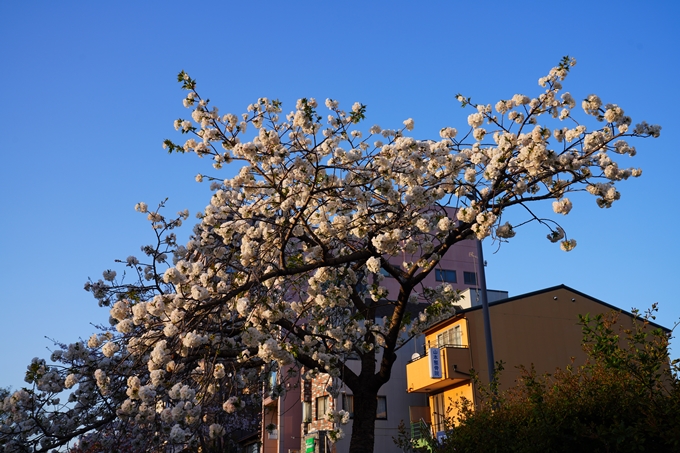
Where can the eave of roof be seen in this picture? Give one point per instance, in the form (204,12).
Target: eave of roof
(535,293)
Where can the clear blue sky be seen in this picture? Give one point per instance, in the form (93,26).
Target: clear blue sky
(90,92)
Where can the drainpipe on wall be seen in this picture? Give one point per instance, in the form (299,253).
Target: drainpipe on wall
(485,310)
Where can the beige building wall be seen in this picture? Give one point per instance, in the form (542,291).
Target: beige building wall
(540,329)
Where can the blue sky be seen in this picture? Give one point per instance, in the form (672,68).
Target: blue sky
(90,93)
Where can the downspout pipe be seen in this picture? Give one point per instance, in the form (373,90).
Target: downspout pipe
(485,311)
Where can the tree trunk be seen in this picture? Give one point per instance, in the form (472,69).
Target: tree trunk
(366,385)
(363,427)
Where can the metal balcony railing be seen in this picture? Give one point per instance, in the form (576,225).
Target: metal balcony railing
(420,430)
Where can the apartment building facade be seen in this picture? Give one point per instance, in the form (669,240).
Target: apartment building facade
(539,328)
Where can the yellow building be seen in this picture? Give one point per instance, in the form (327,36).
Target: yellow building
(539,328)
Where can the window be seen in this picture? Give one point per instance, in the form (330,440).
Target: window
(306,412)
(252,448)
(272,384)
(439,411)
(381,412)
(470,278)
(444,275)
(452,337)
(457,337)
(348,404)
(321,407)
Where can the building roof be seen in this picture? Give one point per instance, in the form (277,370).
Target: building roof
(535,293)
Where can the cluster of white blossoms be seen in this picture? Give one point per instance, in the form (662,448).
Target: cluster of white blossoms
(127,381)
(284,268)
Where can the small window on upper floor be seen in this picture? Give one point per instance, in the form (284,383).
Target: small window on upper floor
(322,406)
(381,412)
(452,337)
(348,404)
(469,278)
(306,412)
(445,275)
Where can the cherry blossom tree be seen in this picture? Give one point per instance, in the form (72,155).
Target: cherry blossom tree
(284,267)
(120,390)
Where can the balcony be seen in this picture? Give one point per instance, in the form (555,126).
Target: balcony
(269,401)
(455,362)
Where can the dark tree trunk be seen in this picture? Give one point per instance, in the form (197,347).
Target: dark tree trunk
(366,385)
(363,427)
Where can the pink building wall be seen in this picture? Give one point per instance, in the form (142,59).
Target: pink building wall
(461,258)
(285,414)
